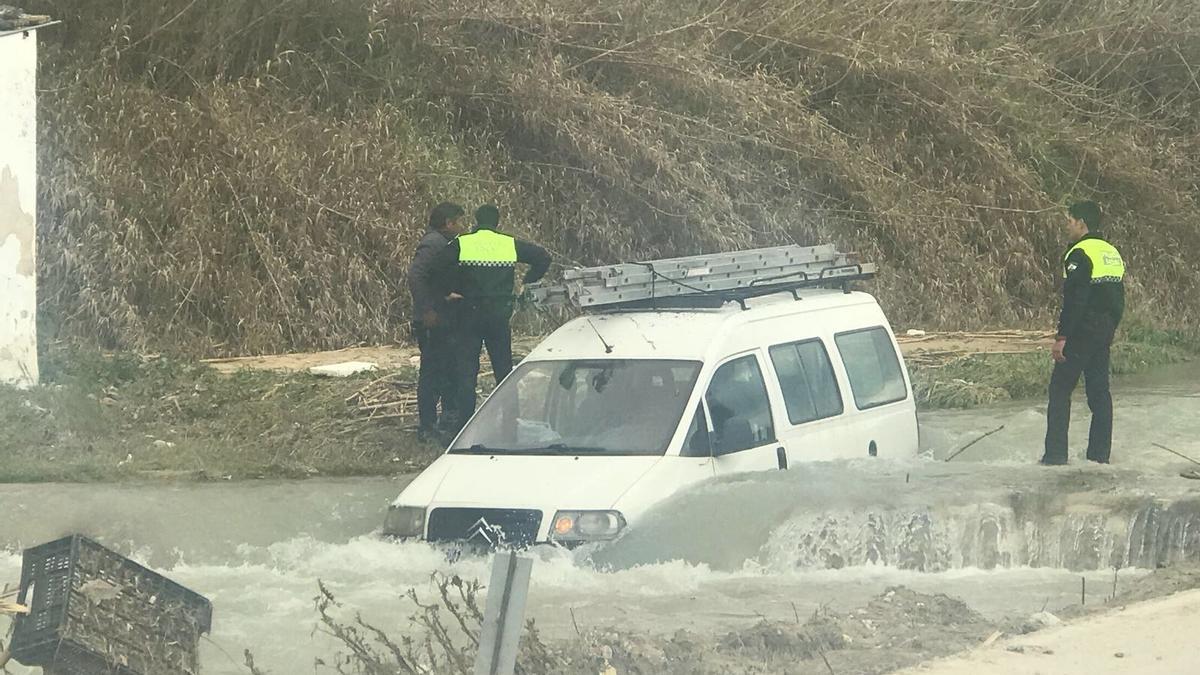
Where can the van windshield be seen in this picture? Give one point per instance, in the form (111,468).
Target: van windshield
(607,406)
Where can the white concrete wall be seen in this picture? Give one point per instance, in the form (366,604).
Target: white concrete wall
(18,201)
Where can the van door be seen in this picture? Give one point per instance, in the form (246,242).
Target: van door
(884,418)
(739,410)
(812,400)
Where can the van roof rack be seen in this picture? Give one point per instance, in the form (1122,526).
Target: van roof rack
(703,281)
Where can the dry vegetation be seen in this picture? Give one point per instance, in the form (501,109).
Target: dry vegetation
(125,418)
(898,628)
(239,177)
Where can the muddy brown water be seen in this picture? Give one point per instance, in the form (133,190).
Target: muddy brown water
(991,528)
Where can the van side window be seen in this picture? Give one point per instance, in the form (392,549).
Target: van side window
(741,411)
(874,370)
(810,389)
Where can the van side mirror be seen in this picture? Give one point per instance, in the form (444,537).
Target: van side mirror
(736,434)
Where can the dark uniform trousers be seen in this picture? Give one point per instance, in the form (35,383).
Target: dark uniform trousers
(1087,355)
(477,327)
(437,378)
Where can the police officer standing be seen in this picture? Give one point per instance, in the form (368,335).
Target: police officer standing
(431,319)
(1093,302)
(480,269)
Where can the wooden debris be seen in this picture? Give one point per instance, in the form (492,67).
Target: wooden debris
(7,607)
(13,18)
(394,396)
(389,397)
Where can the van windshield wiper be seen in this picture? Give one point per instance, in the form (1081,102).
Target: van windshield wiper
(564,448)
(480,449)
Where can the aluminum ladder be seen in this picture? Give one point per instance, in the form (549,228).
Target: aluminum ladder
(702,280)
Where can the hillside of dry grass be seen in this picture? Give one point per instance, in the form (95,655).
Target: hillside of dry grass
(250,176)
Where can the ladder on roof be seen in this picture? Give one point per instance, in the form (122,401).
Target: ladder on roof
(702,280)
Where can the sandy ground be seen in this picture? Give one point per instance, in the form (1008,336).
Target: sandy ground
(1153,637)
(941,347)
(930,347)
(386,357)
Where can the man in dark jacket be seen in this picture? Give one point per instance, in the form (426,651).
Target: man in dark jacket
(479,270)
(431,319)
(1093,303)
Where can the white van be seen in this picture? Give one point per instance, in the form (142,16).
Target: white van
(616,411)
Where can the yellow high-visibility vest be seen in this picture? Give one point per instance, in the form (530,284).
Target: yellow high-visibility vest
(485,248)
(1107,265)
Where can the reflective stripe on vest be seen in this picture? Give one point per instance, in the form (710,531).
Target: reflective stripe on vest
(486,248)
(1107,266)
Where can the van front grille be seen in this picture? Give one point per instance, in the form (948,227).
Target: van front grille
(493,528)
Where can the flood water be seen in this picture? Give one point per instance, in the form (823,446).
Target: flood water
(990,527)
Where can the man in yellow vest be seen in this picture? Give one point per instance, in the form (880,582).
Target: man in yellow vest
(1093,302)
(479,268)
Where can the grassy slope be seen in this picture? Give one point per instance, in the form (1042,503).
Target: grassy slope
(248,177)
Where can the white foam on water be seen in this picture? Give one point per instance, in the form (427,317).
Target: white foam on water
(264,599)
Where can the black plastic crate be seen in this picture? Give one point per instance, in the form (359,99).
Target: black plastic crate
(95,612)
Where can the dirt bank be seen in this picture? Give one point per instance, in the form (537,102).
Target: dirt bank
(897,628)
(1150,624)
(1152,637)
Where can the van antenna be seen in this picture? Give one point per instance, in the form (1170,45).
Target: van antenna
(607,347)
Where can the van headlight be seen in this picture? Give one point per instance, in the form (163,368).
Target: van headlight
(404,521)
(577,526)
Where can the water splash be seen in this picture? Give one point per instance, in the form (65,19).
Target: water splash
(923,516)
(1144,534)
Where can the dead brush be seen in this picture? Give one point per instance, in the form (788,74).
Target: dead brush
(441,638)
(232,178)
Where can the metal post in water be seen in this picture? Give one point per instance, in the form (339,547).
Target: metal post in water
(504,616)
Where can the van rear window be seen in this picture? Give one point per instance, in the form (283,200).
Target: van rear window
(873,367)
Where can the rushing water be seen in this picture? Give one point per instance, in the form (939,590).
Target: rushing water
(990,527)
